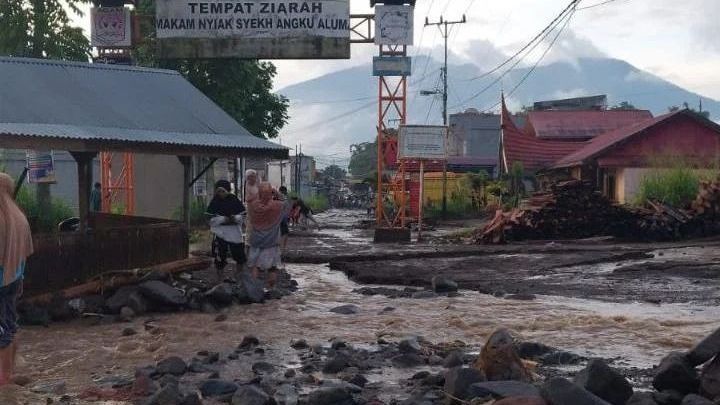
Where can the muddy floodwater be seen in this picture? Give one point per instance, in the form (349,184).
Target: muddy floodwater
(635,333)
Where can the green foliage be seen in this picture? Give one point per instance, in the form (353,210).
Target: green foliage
(477,183)
(363,161)
(334,172)
(198,219)
(243,88)
(459,205)
(623,105)
(317,203)
(43,220)
(41,29)
(675,186)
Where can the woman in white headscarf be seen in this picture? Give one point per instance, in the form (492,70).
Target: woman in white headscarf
(15,247)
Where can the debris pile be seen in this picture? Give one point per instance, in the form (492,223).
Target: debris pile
(574,209)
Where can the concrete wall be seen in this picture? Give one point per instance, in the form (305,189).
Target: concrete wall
(158,185)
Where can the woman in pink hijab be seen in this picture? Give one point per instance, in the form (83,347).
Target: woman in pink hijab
(266,214)
(15,246)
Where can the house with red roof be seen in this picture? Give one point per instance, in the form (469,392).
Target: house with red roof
(614,149)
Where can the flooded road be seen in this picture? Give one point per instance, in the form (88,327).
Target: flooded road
(635,334)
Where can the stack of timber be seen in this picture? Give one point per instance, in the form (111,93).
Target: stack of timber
(569,209)
(706,208)
(658,222)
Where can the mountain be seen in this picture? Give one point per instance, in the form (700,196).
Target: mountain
(331,112)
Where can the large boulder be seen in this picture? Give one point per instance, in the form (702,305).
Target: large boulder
(162,294)
(221,294)
(458,382)
(521,401)
(705,350)
(331,396)
(168,395)
(410,345)
(605,382)
(675,372)
(559,391)
(172,365)
(642,398)
(710,379)
(217,388)
(694,399)
(250,395)
(442,284)
(346,309)
(128,296)
(249,290)
(499,359)
(503,389)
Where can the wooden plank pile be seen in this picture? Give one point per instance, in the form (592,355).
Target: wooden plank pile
(574,209)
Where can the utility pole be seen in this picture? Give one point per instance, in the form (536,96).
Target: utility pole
(443,27)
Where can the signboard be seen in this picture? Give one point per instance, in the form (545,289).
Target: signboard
(394,25)
(392,66)
(422,142)
(41,167)
(274,29)
(200,188)
(110,27)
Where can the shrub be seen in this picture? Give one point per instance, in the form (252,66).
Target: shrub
(198,218)
(675,186)
(317,203)
(45,221)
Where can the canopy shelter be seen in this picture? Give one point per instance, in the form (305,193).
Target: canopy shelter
(87,108)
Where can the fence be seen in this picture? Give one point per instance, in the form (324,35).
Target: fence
(114,242)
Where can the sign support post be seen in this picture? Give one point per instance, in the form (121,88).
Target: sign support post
(421,197)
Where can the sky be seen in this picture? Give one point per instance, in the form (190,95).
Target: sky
(675,40)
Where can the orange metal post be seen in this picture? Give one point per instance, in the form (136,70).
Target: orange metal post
(113,185)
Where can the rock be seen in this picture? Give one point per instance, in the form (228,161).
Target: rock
(60,309)
(521,401)
(168,379)
(503,389)
(248,342)
(335,344)
(435,360)
(162,294)
(248,290)
(233,356)
(359,380)
(694,399)
(454,359)
(407,360)
(250,395)
(559,391)
(221,294)
(262,367)
(641,398)
(137,303)
(520,297)
(600,379)
(143,385)
(120,298)
(300,344)
(211,358)
(705,350)
(336,364)
(675,372)
(710,379)
(410,345)
(197,366)
(459,380)
(286,394)
(560,358)
(330,396)
(21,380)
(290,373)
(221,318)
(127,314)
(49,387)
(420,375)
(499,360)
(208,308)
(424,294)
(167,395)
(129,332)
(346,309)
(192,399)
(668,397)
(532,350)
(441,284)
(172,365)
(217,388)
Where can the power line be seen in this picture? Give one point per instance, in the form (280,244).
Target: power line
(596,5)
(540,35)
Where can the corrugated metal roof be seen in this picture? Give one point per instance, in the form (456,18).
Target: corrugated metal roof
(610,139)
(581,124)
(96,101)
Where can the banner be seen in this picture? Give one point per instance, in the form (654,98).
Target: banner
(110,27)
(41,167)
(422,142)
(278,29)
(394,25)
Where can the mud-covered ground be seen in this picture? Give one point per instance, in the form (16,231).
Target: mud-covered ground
(629,303)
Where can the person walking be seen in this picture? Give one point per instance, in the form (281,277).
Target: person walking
(226,212)
(284,224)
(266,214)
(305,212)
(96,198)
(15,246)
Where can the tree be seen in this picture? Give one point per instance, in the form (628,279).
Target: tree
(334,172)
(623,105)
(243,88)
(363,161)
(686,106)
(41,29)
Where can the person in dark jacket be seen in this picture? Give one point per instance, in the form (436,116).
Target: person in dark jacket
(226,212)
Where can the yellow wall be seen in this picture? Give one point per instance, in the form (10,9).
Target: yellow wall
(433,186)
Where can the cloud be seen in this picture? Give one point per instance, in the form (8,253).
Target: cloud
(570,47)
(706,26)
